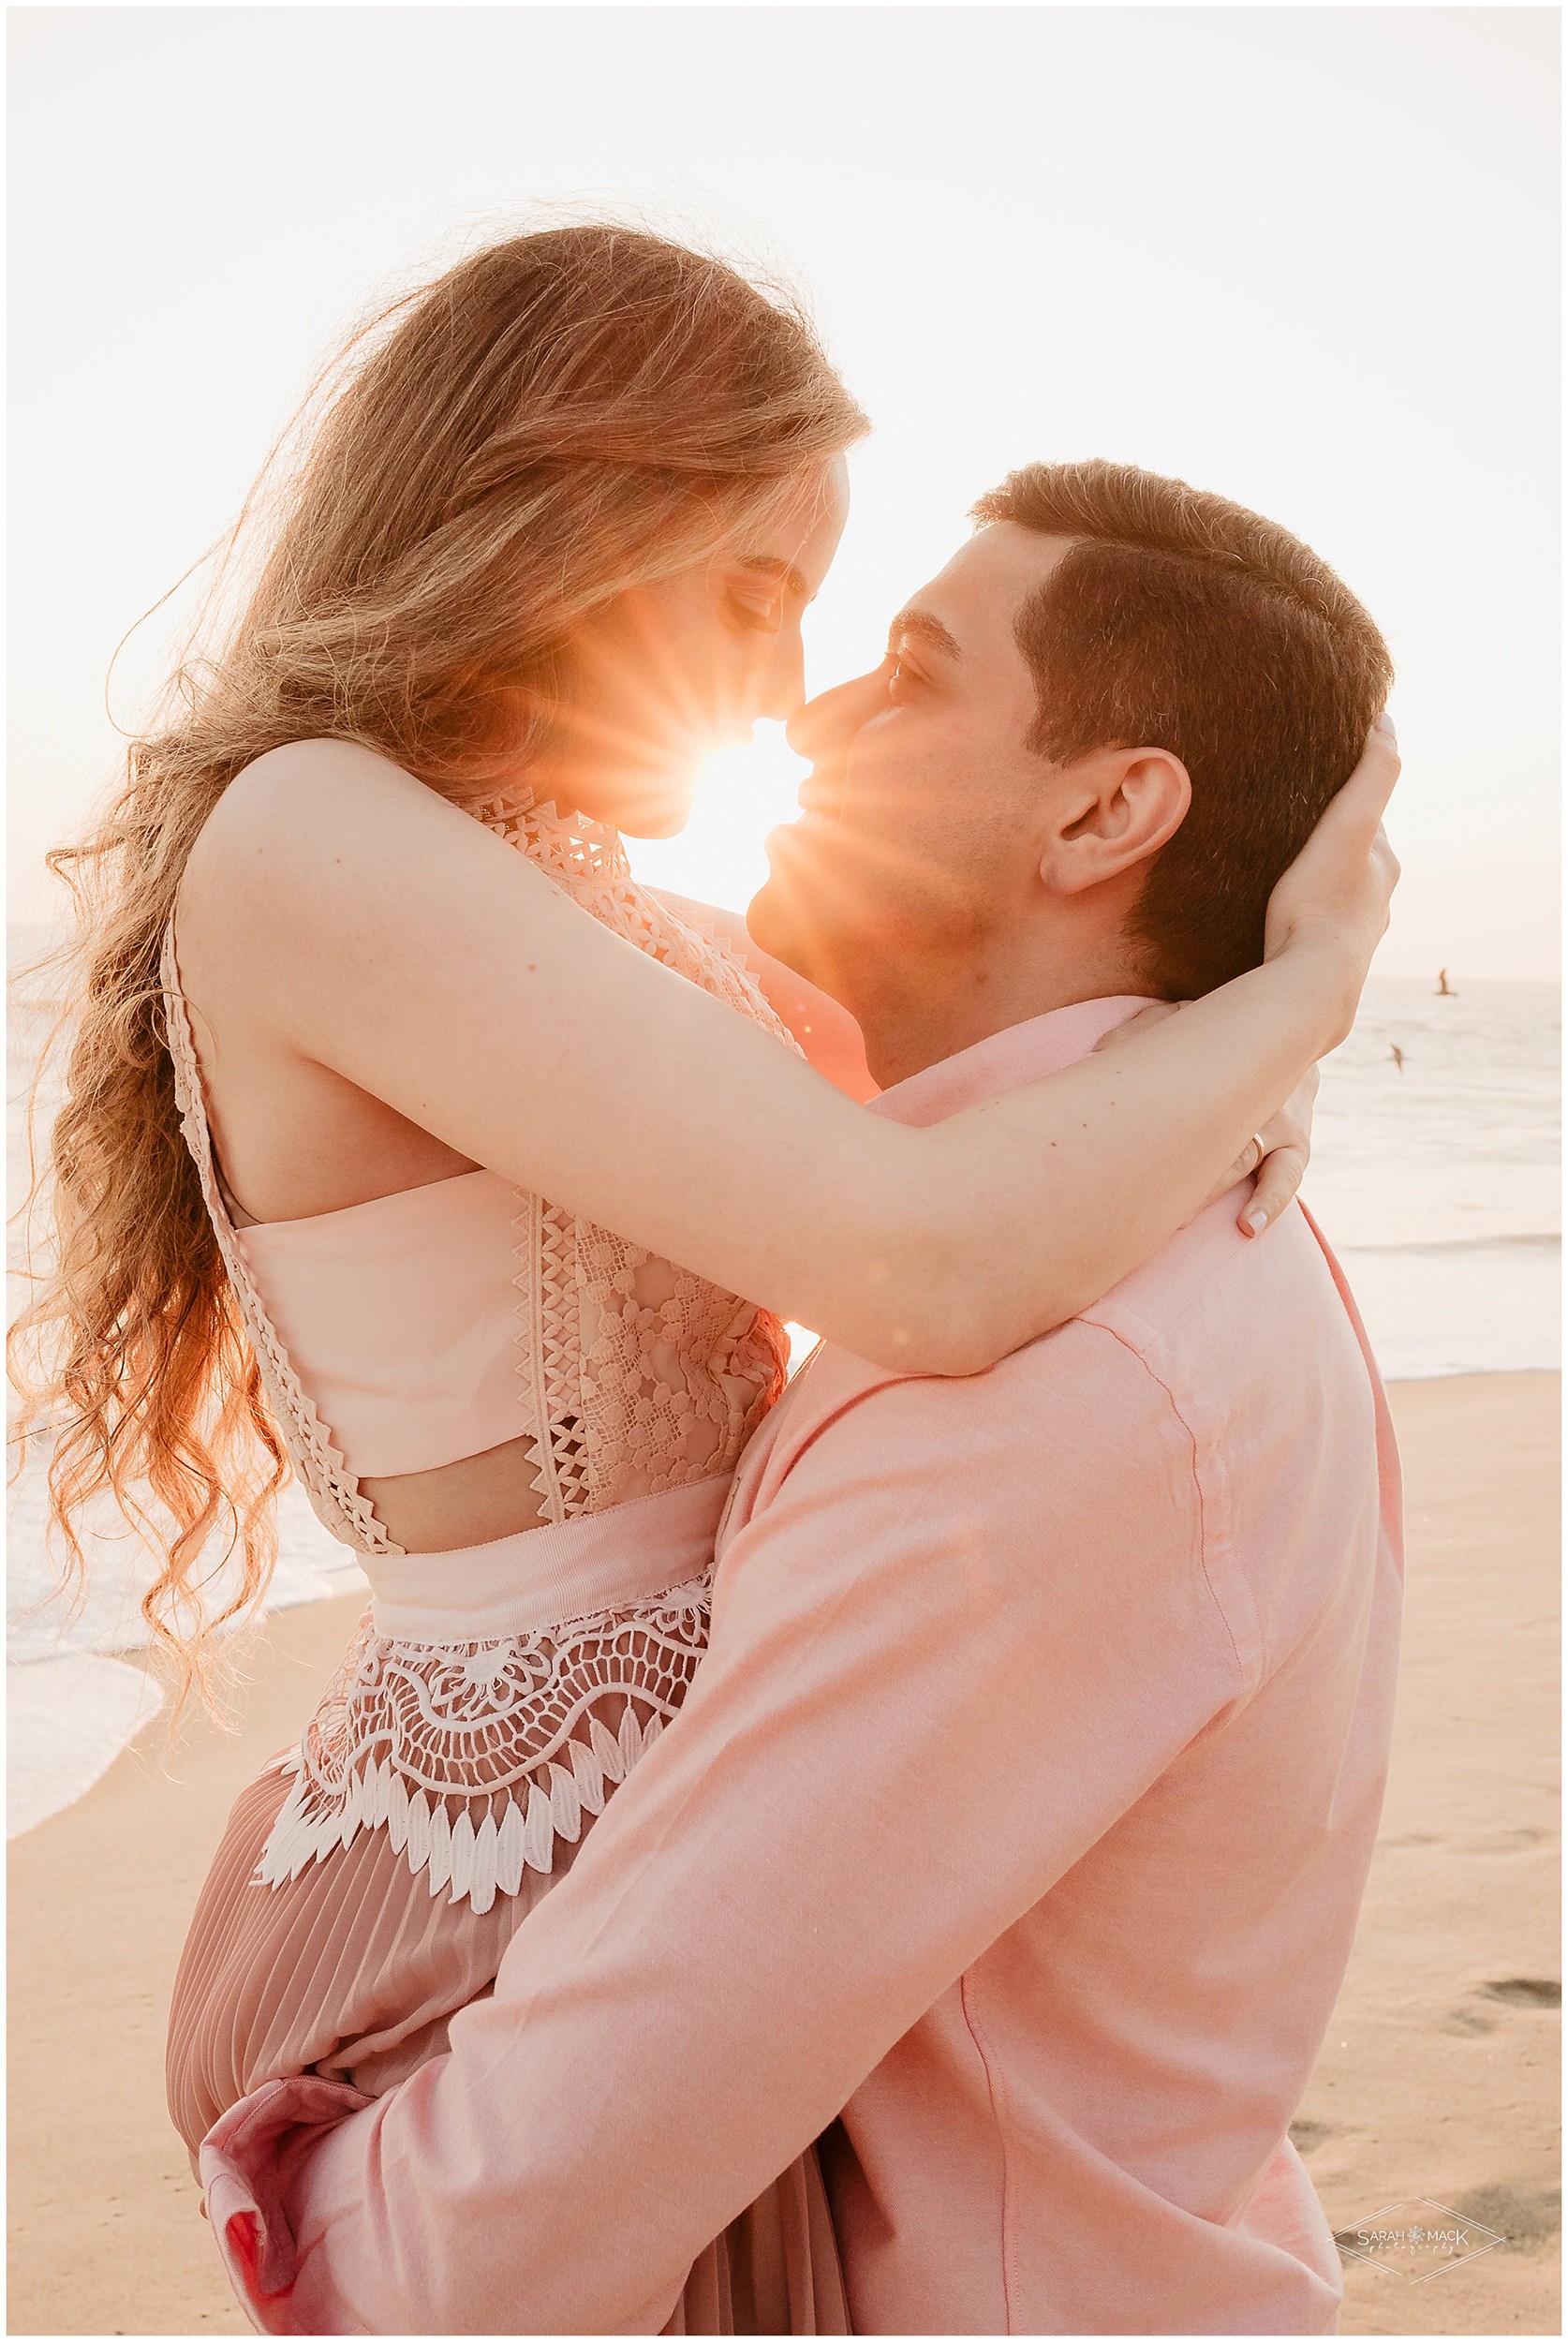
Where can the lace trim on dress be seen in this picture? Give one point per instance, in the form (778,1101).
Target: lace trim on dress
(476,1757)
(636,1369)
(332,1488)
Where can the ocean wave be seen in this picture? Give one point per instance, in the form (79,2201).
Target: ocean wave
(1460,1244)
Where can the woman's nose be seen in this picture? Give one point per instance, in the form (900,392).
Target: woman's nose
(834,716)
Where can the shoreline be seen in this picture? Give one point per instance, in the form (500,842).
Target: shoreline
(1438,2081)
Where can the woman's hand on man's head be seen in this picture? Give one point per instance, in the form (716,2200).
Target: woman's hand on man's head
(1334,896)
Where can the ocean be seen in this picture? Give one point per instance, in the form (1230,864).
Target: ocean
(1434,1176)
(1436,1170)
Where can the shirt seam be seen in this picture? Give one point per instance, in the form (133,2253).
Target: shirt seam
(997,2092)
(888,1379)
(1243,1676)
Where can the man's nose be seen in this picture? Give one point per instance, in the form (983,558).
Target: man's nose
(833,717)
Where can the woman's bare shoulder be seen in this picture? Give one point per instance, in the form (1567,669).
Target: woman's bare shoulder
(295,821)
(309,787)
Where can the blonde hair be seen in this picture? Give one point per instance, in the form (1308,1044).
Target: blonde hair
(563,416)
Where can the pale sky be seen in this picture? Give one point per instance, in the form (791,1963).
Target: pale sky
(1305,257)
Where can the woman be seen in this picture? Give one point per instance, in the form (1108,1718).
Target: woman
(358,1084)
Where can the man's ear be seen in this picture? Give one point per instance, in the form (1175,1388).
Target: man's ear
(1115,809)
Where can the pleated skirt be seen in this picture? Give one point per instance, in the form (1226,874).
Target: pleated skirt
(353,1970)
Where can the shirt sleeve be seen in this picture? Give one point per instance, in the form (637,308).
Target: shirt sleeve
(956,1634)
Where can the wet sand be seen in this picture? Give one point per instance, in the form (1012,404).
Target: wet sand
(1438,2085)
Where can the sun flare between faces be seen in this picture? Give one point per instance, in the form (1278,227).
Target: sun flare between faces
(740,795)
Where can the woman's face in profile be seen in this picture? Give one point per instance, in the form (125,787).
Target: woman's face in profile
(669,672)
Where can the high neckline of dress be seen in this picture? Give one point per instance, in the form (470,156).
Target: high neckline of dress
(569,841)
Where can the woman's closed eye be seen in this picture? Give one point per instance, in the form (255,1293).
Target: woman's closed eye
(758,614)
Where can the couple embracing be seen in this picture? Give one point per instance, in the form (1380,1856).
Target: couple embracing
(878,1855)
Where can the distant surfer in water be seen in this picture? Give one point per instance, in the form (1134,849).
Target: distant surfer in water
(1446,990)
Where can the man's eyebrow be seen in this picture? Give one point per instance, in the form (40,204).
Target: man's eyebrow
(923,627)
(783,572)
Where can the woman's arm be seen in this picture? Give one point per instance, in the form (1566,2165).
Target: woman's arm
(398,941)
(826,1032)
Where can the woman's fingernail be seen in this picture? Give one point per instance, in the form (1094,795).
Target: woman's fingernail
(1385,725)
(1256,1222)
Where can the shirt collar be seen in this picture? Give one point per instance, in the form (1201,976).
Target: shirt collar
(1006,1061)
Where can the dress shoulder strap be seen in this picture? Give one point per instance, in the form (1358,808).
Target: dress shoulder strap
(332,1488)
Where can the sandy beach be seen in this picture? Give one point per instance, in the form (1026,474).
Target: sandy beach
(1438,2085)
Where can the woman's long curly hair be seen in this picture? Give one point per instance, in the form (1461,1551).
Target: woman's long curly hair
(565,415)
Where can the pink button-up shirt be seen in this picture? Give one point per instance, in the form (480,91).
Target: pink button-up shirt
(1021,1810)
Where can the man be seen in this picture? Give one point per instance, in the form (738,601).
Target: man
(1021,1810)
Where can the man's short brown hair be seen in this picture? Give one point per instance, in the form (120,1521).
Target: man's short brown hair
(1181,621)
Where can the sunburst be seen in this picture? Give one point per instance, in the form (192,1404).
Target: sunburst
(742,792)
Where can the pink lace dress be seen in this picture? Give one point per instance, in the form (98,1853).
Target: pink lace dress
(370,1880)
